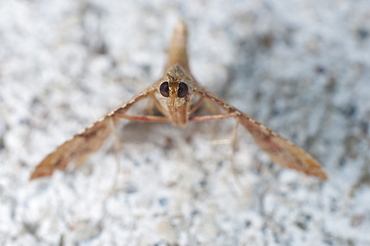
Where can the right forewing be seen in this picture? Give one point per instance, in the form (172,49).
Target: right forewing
(86,142)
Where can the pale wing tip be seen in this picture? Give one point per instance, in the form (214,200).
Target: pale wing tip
(316,169)
(320,174)
(40,172)
(317,172)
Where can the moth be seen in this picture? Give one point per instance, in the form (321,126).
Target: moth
(177,95)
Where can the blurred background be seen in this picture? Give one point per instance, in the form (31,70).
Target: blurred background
(300,67)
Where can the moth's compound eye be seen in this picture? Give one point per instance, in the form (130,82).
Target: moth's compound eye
(183,90)
(164,89)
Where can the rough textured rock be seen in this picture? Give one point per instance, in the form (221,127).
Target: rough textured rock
(300,67)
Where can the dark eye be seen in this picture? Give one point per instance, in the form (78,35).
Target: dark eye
(164,89)
(183,90)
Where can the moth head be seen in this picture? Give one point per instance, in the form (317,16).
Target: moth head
(176,86)
(175,94)
(174,89)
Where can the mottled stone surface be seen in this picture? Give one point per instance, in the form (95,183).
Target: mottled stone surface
(300,67)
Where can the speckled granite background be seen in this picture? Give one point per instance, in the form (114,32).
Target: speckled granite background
(300,67)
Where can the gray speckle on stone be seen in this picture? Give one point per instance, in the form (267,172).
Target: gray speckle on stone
(300,67)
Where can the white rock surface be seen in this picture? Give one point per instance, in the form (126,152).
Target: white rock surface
(301,67)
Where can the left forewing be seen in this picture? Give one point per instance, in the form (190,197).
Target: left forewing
(279,149)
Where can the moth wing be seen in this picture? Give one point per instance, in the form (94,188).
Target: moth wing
(78,148)
(86,142)
(278,148)
(281,150)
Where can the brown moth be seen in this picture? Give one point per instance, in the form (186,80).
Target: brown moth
(177,95)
